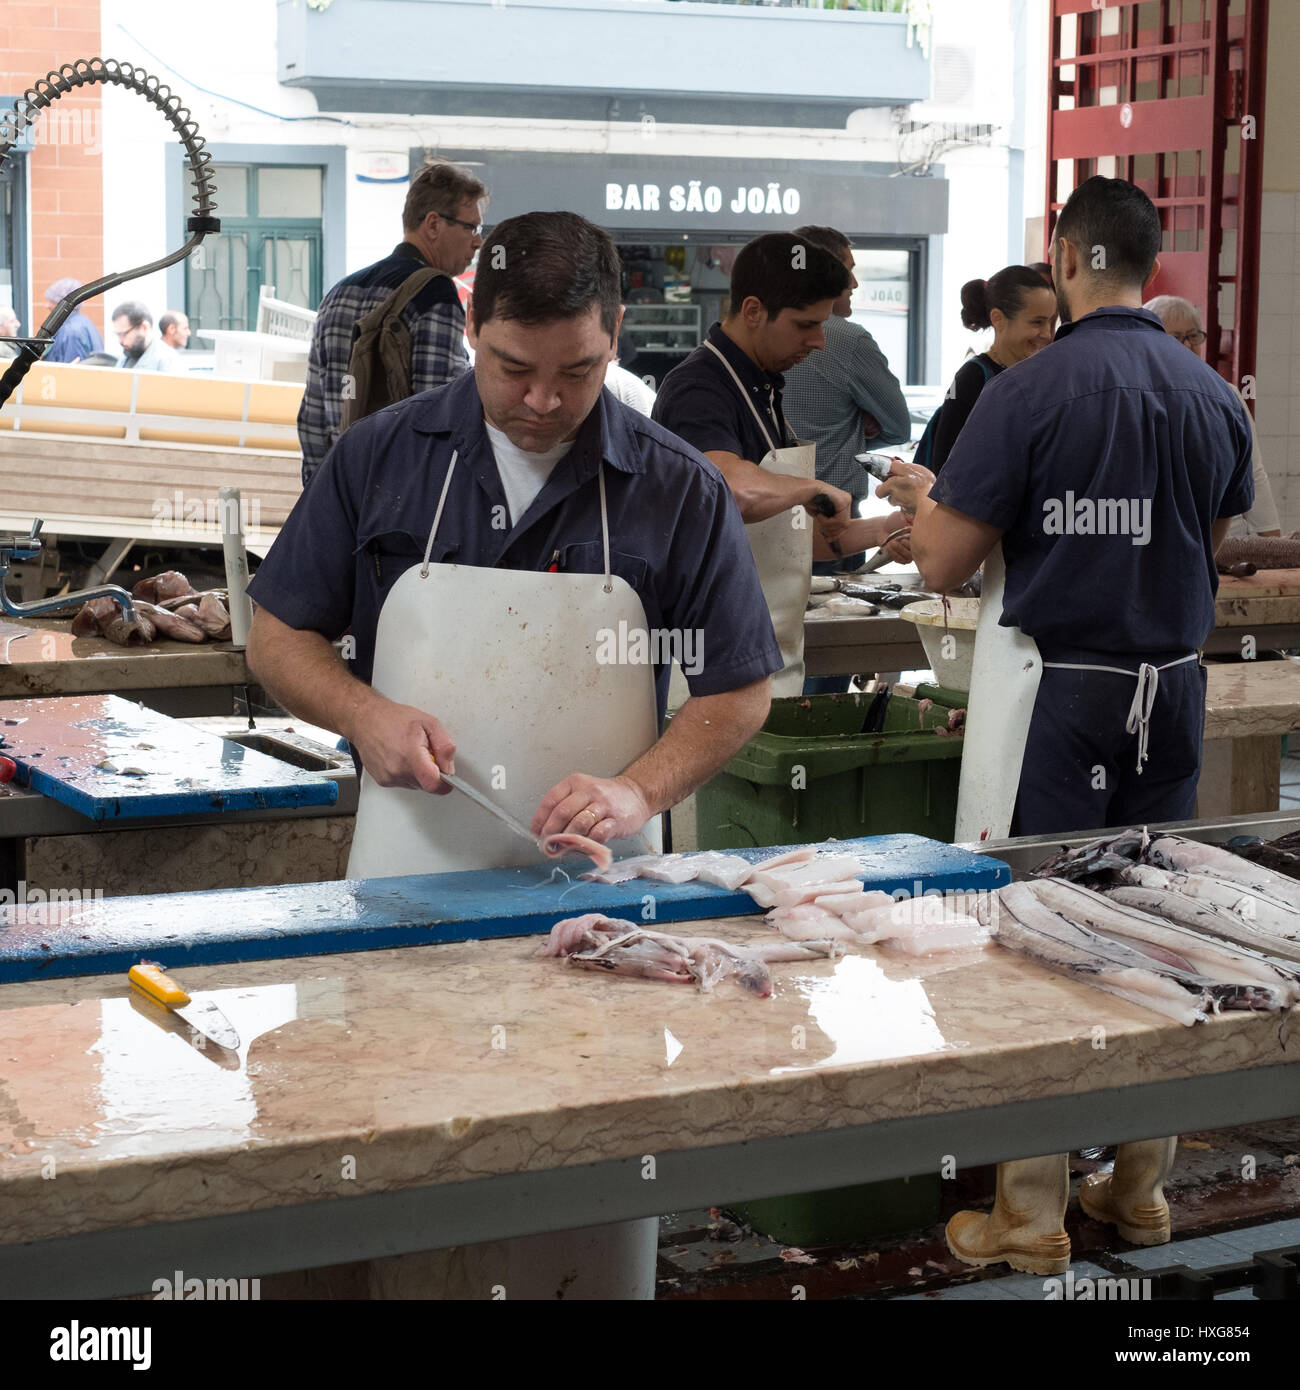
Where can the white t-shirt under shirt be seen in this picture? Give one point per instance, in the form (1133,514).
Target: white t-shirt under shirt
(523,475)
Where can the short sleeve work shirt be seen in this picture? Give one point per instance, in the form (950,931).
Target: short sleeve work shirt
(675,533)
(1105,459)
(699,402)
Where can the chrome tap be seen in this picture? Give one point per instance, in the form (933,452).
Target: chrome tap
(27,548)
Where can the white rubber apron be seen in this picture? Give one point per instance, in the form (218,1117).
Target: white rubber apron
(1005,673)
(507,661)
(783,550)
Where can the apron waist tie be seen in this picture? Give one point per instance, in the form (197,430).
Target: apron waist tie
(1144,698)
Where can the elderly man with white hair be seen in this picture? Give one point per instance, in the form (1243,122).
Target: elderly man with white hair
(1182,320)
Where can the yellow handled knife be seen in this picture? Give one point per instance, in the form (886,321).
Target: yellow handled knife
(204,1018)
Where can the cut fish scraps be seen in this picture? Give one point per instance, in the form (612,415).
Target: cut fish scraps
(595,942)
(553,846)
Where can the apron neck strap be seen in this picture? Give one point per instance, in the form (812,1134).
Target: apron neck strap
(604,526)
(437,516)
(745,395)
(442,502)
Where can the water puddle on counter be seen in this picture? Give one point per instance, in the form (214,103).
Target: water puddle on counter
(865,1016)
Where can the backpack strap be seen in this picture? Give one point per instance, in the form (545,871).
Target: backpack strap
(397,301)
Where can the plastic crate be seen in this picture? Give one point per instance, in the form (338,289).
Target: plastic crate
(811,774)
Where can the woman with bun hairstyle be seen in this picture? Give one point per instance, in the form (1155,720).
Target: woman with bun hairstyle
(1021,310)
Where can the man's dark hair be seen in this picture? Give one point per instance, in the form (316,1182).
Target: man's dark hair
(544,266)
(828,238)
(165,322)
(784,271)
(1116,218)
(133,311)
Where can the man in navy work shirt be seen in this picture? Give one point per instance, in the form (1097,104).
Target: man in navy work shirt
(440,221)
(530,425)
(1110,465)
(782,290)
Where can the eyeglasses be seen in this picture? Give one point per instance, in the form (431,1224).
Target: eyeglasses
(476,228)
(1191,340)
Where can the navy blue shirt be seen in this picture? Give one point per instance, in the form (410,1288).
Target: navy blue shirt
(699,402)
(675,534)
(1105,458)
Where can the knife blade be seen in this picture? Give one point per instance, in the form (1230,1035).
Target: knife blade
(204,1017)
(489,806)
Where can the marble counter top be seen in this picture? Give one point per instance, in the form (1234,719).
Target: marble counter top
(452,1062)
(1246,699)
(40,656)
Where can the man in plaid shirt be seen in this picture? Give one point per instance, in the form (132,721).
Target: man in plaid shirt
(441,228)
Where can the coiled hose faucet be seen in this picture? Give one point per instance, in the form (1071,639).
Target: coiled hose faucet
(87,72)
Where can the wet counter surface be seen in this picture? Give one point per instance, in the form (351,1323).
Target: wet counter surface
(40,656)
(439,1064)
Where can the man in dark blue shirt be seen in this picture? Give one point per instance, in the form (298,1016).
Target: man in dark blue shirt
(1110,466)
(777,312)
(530,427)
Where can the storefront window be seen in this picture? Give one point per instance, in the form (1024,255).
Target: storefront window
(882,301)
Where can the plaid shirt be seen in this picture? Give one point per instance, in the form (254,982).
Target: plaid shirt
(437,325)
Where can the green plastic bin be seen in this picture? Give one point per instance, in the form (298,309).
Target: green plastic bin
(811,774)
(846,1214)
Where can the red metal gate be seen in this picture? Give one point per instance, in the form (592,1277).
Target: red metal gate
(1170,95)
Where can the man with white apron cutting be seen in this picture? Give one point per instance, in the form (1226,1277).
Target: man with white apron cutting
(1110,466)
(725,399)
(491,548)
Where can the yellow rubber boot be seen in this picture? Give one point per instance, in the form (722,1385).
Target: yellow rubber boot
(1026,1228)
(1132,1198)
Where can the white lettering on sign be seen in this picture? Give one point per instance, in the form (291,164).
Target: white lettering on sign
(761,200)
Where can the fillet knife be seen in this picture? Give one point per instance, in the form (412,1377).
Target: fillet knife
(489,806)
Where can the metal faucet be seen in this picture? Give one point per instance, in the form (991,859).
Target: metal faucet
(28,547)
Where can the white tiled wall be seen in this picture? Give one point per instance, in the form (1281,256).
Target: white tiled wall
(1277,403)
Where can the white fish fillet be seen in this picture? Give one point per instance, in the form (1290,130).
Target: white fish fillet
(621,870)
(721,870)
(808,922)
(948,934)
(808,892)
(857,899)
(830,869)
(669,868)
(761,894)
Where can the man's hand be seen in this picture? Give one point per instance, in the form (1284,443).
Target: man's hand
(601,808)
(828,529)
(900,549)
(870,425)
(906,485)
(401,746)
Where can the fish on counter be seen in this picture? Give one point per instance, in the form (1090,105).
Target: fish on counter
(596,942)
(1166,941)
(166,605)
(1020,921)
